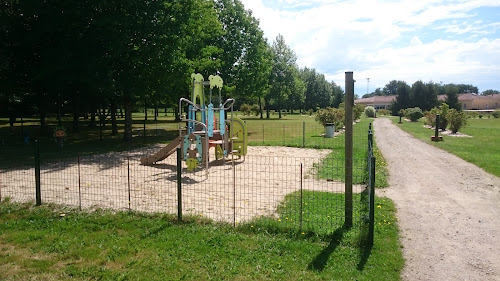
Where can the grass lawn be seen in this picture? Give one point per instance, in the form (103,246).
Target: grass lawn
(39,243)
(482,149)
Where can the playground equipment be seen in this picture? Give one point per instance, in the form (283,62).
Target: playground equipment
(203,130)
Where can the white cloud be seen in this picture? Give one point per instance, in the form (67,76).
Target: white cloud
(406,40)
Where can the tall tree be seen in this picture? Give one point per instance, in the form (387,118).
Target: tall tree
(451,92)
(403,97)
(423,96)
(282,73)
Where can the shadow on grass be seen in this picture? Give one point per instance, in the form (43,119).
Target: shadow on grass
(319,262)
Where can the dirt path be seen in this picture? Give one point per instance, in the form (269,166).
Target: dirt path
(448,209)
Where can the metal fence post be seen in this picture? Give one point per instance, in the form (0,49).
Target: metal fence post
(301,198)
(349,104)
(37,174)
(79,185)
(179,185)
(128,182)
(371,225)
(304,134)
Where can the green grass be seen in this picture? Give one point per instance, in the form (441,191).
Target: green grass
(482,149)
(40,243)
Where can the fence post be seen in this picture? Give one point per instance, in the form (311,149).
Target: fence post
(301,197)
(303,134)
(79,185)
(179,185)
(128,182)
(371,225)
(263,136)
(37,174)
(349,104)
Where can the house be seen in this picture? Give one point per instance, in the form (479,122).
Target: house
(378,102)
(476,102)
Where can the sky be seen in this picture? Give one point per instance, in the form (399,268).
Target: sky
(444,41)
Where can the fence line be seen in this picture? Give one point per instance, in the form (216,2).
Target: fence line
(302,193)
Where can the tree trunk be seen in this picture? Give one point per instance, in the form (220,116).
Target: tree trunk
(114,126)
(267,108)
(279,108)
(145,111)
(177,115)
(92,115)
(127,103)
(260,108)
(76,115)
(156,111)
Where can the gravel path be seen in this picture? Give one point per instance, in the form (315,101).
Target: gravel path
(448,209)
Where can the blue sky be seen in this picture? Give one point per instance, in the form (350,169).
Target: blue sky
(448,41)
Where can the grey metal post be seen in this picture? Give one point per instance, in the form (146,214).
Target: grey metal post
(436,132)
(371,225)
(179,185)
(79,185)
(349,104)
(303,134)
(301,196)
(37,174)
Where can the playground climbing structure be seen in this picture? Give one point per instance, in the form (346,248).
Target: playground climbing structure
(203,126)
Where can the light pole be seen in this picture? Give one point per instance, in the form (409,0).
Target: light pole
(367,84)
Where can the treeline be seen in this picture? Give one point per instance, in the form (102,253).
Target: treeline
(422,95)
(88,57)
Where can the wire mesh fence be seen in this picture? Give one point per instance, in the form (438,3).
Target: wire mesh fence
(285,191)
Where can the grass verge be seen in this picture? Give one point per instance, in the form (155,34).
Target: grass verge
(481,149)
(41,243)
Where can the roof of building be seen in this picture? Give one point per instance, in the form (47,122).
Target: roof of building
(470,97)
(376,100)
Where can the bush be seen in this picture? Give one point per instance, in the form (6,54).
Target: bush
(331,115)
(480,116)
(457,120)
(255,109)
(430,117)
(370,111)
(384,112)
(246,109)
(414,113)
(496,113)
(443,116)
(358,110)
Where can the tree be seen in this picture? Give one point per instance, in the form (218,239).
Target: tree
(338,94)
(423,95)
(451,92)
(403,98)
(282,74)
(490,92)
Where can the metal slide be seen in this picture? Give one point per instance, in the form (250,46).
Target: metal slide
(162,153)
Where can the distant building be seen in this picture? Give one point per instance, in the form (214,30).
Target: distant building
(468,101)
(476,102)
(378,102)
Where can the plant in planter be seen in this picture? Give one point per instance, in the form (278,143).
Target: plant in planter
(330,115)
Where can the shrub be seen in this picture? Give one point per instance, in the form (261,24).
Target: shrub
(310,112)
(402,112)
(496,113)
(443,116)
(358,110)
(414,113)
(255,109)
(246,109)
(430,117)
(384,112)
(331,115)
(480,116)
(457,120)
(370,111)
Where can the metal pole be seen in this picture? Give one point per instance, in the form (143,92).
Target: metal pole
(372,201)
(436,132)
(179,185)
(79,186)
(349,104)
(303,134)
(37,174)
(301,197)
(128,182)
(263,141)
